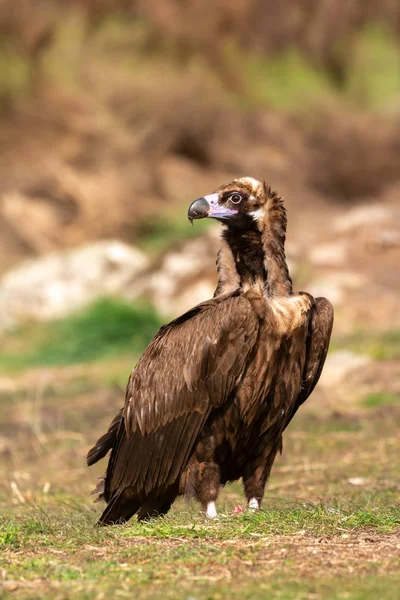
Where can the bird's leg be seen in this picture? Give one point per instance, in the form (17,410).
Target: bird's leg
(256,475)
(254,481)
(253,504)
(207,487)
(211,512)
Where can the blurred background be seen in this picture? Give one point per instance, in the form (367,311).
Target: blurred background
(114,116)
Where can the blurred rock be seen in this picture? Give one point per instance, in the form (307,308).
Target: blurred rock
(388,238)
(358,480)
(7,385)
(185,275)
(181,278)
(329,254)
(364,214)
(62,282)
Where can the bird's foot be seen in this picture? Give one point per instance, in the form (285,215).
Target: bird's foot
(253,505)
(211,512)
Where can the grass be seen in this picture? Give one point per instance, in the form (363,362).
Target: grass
(62,62)
(318,536)
(105,329)
(181,556)
(283,586)
(373,79)
(382,399)
(288,82)
(52,523)
(380,345)
(15,70)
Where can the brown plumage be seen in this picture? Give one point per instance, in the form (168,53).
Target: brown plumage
(211,396)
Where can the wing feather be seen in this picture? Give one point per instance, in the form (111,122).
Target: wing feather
(320,330)
(106,442)
(191,367)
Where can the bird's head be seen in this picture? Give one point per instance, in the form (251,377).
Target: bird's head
(237,204)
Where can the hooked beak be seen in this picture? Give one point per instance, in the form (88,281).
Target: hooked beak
(199,209)
(208,207)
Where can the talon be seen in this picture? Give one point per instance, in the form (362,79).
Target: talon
(211,512)
(254,504)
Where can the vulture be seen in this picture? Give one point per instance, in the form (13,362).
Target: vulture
(211,396)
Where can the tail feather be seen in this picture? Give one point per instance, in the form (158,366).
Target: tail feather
(119,510)
(99,489)
(106,442)
(157,505)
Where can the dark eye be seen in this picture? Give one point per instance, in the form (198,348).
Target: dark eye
(235,198)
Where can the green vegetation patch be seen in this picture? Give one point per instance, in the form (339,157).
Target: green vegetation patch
(287,82)
(286,584)
(15,71)
(381,399)
(106,328)
(54,524)
(380,345)
(289,552)
(291,82)
(373,77)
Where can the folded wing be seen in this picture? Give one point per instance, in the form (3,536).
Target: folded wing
(320,330)
(189,369)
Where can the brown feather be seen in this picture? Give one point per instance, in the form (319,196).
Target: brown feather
(211,396)
(170,360)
